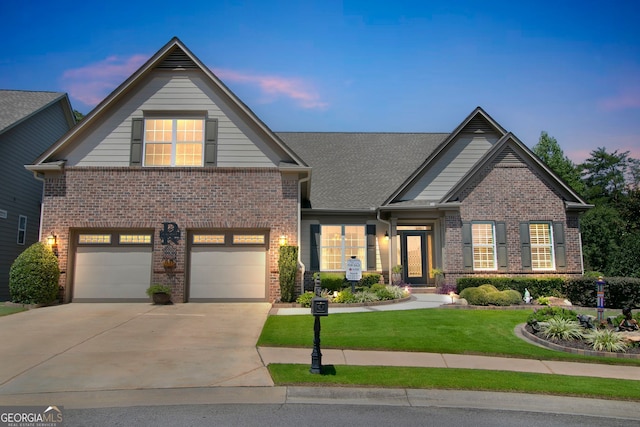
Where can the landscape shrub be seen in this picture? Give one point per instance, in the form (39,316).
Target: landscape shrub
(287,269)
(447,288)
(606,340)
(369,279)
(553,286)
(365,295)
(345,297)
(305,299)
(333,281)
(490,295)
(561,328)
(474,296)
(33,277)
(547,313)
(619,292)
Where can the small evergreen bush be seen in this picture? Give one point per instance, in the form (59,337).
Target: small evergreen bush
(547,313)
(33,277)
(345,297)
(305,299)
(287,269)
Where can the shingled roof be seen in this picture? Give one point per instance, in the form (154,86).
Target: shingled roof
(359,170)
(17,105)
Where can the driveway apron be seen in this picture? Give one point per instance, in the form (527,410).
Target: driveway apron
(88,347)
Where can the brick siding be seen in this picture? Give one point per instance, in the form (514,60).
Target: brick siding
(512,193)
(194,198)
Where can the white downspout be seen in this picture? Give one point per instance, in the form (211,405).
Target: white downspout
(389,243)
(303,268)
(40,178)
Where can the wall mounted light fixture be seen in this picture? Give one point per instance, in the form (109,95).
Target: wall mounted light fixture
(283,240)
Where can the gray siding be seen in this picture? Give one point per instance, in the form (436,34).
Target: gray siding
(21,193)
(450,167)
(109,143)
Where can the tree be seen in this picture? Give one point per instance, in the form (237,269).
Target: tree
(605,175)
(552,155)
(78,115)
(602,230)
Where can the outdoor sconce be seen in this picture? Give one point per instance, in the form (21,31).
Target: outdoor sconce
(52,241)
(283,240)
(386,236)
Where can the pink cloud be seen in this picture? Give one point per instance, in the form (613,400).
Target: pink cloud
(275,86)
(92,83)
(628,98)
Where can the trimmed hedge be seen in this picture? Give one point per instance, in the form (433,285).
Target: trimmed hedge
(537,287)
(338,281)
(619,292)
(490,295)
(33,278)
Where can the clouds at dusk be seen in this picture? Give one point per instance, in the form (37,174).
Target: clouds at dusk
(90,84)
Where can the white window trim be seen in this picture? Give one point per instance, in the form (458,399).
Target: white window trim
(22,230)
(551,244)
(343,245)
(493,246)
(174,141)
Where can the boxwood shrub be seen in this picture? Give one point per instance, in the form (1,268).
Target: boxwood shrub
(336,281)
(537,287)
(33,277)
(490,295)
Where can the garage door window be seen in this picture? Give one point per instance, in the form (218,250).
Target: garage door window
(135,239)
(94,239)
(248,239)
(208,239)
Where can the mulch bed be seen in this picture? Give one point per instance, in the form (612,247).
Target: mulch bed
(577,344)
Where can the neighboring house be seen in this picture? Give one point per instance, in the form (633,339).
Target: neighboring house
(30,122)
(173,166)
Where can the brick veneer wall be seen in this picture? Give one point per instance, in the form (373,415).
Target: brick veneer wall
(513,193)
(194,198)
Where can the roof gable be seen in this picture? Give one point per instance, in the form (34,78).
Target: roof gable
(450,161)
(511,152)
(174,56)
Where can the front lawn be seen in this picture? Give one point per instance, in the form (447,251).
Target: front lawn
(6,310)
(456,379)
(484,332)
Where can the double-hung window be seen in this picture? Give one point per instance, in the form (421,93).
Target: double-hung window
(484,246)
(338,243)
(173,142)
(541,241)
(22,230)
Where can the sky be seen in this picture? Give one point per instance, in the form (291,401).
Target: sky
(570,68)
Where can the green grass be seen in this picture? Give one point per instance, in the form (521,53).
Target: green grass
(484,332)
(457,379)
(6,310)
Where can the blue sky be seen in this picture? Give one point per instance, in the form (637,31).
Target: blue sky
(571,68)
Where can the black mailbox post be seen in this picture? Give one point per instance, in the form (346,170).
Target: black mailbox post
(319,307)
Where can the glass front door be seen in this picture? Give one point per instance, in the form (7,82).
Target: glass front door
(415,259)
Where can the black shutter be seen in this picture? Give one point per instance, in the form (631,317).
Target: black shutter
(314,244)
(558,241)
(467,247)
(371,247)
(525,246)
(211,142)
(137,129)
(501,245)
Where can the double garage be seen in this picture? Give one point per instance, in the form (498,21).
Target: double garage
(118,265)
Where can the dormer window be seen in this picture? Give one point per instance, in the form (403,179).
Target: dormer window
(173,142)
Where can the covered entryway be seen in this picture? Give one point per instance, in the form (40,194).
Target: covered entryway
(228,265)
(416,248)
(112,266)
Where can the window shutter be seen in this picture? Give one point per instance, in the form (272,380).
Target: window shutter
(467,247)
(314,244)
(501,245)
(211,142)
(371,247)
(525,246)
(137,128)
(559,247)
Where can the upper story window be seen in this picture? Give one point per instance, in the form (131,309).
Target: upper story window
(484,246)
(173,142)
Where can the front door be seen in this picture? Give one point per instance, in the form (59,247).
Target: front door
(414,253)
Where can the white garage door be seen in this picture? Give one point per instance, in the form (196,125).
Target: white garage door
(112,273)
(227,273)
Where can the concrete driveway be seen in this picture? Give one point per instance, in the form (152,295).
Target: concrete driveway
(90,347)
